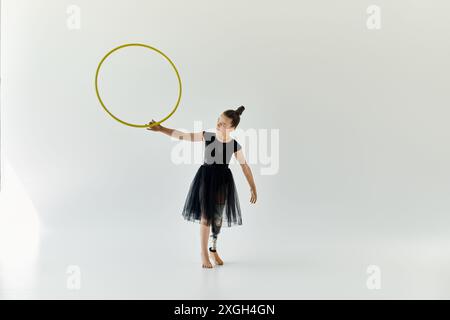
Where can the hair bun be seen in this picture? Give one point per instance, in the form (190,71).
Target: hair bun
(240,110)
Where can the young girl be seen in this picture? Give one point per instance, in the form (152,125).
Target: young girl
(212,199)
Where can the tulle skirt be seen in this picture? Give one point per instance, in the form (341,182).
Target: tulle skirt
(212,195)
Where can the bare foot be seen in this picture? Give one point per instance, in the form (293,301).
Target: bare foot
(205,262)
(215,257)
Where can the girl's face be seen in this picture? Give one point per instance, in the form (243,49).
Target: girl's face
(224,124)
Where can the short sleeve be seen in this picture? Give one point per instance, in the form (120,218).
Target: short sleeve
(207,136)
(237,146)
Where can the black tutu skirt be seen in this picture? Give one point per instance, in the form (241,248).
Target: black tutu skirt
(212,195)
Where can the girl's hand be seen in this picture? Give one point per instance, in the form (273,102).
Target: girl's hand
(254,196)
(154,128)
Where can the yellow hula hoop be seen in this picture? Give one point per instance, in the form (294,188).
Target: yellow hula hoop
(151,48)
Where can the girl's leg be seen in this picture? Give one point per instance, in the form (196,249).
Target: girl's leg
(204,235)
(215,228)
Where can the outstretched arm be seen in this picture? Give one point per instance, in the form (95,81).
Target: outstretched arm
(248,174)
(190,136)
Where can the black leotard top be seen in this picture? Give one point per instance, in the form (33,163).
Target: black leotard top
(217,152)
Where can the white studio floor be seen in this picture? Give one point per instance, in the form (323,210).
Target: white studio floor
(138,260)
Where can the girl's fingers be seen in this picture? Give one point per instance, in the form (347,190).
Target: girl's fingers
(151,122)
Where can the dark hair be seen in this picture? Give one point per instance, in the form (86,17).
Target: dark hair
(234,115)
